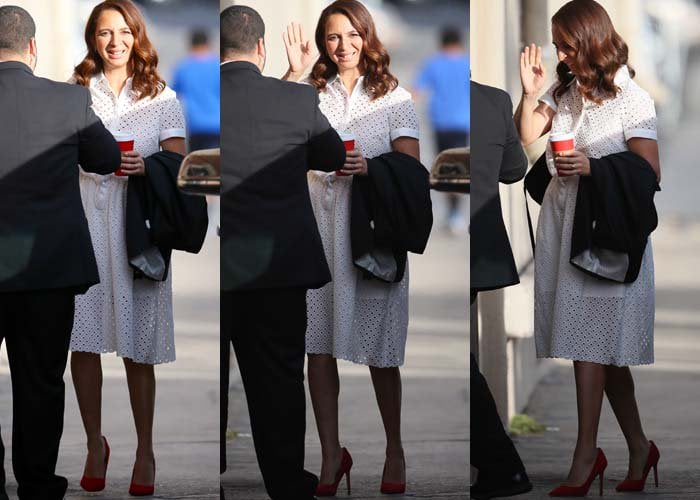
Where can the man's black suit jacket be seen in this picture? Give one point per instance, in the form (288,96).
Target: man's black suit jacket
(272,133)
(46,129)
(496,156)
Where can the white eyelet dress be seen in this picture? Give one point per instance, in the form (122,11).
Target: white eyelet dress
(577,316)
(351,318)
(132,317)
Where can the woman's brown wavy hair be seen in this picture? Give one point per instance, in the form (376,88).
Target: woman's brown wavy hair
(143,62)
(585,27)
(375,59)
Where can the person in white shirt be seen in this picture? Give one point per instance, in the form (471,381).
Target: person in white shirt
(351,318)
(133,318)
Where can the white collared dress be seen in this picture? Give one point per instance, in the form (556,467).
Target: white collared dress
(358,320)
(577,316)
(133,318)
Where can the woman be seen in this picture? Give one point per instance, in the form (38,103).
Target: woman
(363,321)
(604,327)
(132,317)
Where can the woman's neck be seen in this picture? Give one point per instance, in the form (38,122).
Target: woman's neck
(117,78)
(349,78)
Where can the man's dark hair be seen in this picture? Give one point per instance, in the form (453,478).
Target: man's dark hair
(241,28)
(450,36)
(198,38)
(16,29)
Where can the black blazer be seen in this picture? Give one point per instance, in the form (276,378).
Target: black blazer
(272,133)
(614,216)
(496,156)
(390,214)
(46,129)
(161,218)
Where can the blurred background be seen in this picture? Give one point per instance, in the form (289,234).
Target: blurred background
(435,371)
(187,404)
(664,48)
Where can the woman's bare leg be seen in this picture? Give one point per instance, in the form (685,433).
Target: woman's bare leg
(142,393)
(324,387)
(86,371)
(387,388)
(619,387)
(590,384)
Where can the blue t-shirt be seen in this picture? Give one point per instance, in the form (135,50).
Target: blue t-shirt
(197,83)
(446,77)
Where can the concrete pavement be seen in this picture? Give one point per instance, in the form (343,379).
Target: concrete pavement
(187,402)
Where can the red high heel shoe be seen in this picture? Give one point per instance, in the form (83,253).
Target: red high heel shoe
(580,491)
(142,490)
(96,483)
(393,488)
(329,490)
(638,484)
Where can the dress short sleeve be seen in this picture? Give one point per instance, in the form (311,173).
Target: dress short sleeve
(639,118)
(403,120)
(548,97)
(172,120)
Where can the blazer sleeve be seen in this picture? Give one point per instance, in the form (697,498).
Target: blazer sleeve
(98,151)
(326,150)
(514,160)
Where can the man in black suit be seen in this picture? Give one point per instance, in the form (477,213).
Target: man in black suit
(271,250)
(46,254)
(496,156)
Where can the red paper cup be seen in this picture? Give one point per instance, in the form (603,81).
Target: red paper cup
(349,141)
(562,143)
(126,143)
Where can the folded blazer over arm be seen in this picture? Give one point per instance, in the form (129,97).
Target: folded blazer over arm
(161,218)
(614,216)
(390,215)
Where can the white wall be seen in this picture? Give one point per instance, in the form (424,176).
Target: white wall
(57,34)
(277,14)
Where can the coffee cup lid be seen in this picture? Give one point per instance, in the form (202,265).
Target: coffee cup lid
(346,136)
(122,136)
(566,136)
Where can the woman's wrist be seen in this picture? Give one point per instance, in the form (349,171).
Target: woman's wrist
(293,76)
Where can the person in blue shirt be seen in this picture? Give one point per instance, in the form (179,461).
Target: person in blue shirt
(445,77)
(196,81)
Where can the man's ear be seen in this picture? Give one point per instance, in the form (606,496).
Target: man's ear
(262,53)
(32,53)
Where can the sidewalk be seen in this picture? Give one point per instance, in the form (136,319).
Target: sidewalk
(434,378)
(668,392)
(187,402)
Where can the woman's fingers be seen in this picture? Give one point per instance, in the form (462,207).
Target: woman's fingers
(538,57)
(565,161)
(299,34)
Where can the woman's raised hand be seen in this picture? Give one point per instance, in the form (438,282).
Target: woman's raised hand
(300,52)
(532,73)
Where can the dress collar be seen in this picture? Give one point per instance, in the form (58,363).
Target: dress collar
(621,76)
(336,81)
(101,79)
